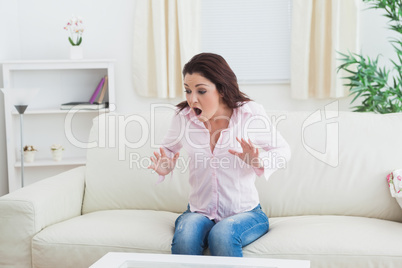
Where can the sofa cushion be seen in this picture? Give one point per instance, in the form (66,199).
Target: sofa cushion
(332,241)
(328,241)
(338,167)
(92,235)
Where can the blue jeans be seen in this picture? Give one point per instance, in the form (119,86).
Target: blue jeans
(194,232)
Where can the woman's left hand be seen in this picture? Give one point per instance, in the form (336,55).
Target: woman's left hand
(249,154)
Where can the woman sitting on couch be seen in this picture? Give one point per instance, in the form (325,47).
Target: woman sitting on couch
(222,131)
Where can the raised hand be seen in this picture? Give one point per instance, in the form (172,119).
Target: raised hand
(162,164)
(250,153)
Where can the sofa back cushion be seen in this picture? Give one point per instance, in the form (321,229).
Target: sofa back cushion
(117,176)
(338,166)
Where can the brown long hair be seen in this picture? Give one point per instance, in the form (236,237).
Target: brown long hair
(215,68)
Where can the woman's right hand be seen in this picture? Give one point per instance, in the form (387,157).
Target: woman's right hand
(162,164)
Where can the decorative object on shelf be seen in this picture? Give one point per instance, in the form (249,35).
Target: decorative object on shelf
(20,97)
(76,52)
(29,153)
(75,28)
(370,81)
(57,152)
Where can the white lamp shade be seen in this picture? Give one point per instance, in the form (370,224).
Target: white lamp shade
(20,96)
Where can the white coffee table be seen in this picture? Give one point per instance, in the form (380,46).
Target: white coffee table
(146,260)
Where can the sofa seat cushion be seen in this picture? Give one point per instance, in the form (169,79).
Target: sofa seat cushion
(87,238)
(328,241)
(332,241)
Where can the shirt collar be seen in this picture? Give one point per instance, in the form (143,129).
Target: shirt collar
(186,110)
(244,108)
(191,115)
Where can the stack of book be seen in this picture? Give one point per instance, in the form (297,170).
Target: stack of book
(95,102)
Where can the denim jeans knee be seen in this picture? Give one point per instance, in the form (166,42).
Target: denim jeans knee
(191,232)
(229,236)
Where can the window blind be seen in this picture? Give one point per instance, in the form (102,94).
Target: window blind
(252,35)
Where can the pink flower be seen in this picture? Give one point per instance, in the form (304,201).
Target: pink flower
(399,178)
(75,28)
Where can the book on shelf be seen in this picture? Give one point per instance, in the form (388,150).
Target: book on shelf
(82,106)
(103,92)
(91,104)
(97,90)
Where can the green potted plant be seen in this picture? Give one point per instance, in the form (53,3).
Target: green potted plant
(368,80)
(75,27)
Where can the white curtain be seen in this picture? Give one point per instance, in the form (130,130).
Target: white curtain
(320,28)
(166,36)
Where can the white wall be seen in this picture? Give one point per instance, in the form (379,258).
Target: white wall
(34,30)
(9,49)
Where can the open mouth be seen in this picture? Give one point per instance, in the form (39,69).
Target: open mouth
(197,111)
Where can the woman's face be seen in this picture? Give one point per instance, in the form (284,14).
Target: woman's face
(202,97)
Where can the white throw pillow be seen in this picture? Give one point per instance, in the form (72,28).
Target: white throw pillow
(395,185)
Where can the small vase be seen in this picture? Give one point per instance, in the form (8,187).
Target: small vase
(76,52)
(57,155)
(29,156)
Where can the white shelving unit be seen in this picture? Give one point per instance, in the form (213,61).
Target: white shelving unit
(59,81)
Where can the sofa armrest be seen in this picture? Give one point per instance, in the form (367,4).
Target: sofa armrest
(27,211)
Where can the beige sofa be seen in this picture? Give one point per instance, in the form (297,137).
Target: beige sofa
(330,205)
